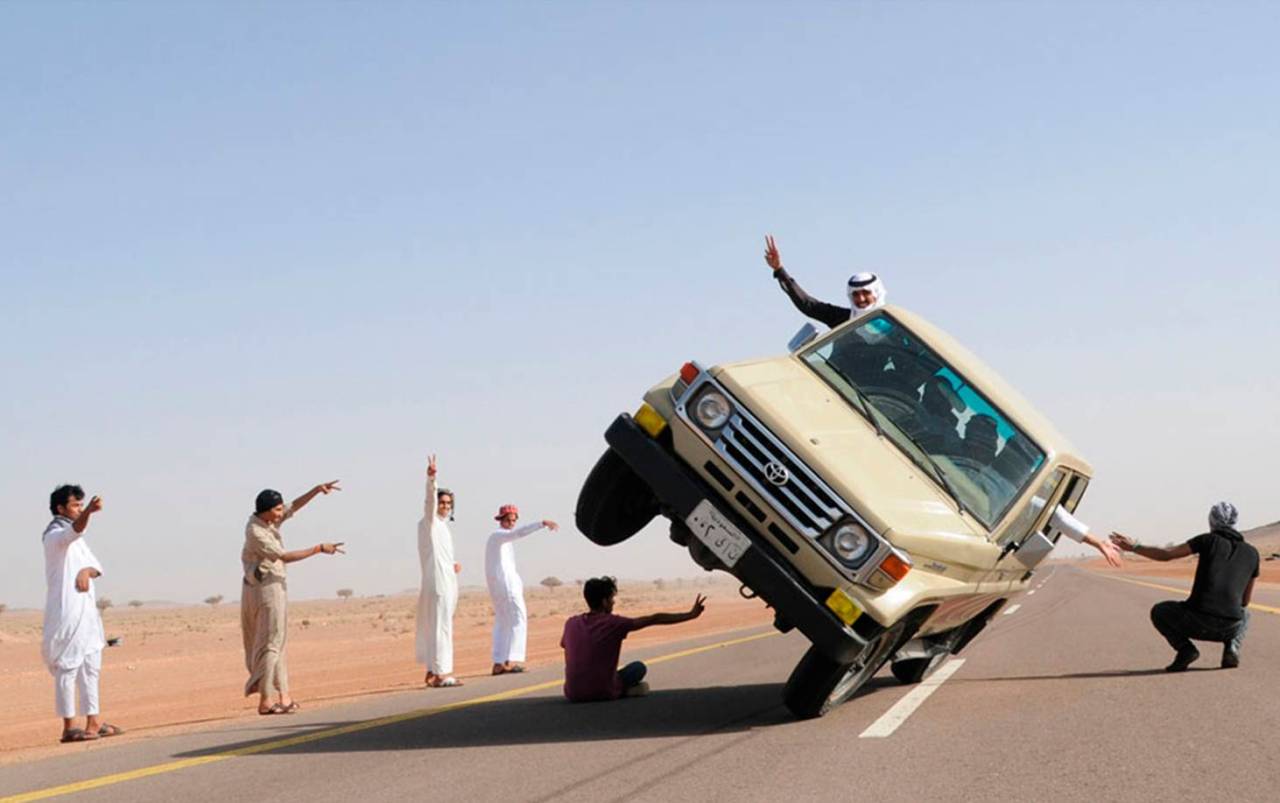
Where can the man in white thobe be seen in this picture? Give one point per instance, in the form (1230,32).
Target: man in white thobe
(438,597)
(506,590)
(73,637)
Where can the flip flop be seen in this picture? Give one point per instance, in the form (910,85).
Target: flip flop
(109,730)
(447,682)
(275,709)
(77,735)
(515,670)
(291,708)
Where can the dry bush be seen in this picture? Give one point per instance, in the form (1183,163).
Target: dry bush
(552,583)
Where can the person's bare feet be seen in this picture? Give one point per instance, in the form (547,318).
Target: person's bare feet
(431,676)
(499,669)
(513,666)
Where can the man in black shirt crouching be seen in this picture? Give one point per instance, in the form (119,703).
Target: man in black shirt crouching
(1217,609)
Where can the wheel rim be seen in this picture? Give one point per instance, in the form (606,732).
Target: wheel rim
(867,662)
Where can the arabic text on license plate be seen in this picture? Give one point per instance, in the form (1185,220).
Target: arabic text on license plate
(720,535)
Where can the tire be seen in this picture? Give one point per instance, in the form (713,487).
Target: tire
(614,503)
(914,670)
(819,684)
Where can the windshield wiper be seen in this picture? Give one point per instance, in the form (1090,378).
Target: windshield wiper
(873,415)
(941,476)
(868,409)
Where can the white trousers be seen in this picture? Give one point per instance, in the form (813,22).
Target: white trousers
(434,640)
(510,628)
(84,678)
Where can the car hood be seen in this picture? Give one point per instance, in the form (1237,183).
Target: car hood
(876,478)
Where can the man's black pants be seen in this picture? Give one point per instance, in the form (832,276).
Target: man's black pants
(1179,624)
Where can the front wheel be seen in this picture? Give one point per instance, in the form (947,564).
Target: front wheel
(819,684)
(614,503)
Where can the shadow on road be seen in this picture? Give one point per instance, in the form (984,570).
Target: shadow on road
(547,719)
(1110,674)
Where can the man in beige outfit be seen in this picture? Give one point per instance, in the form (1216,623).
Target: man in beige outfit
(263,598)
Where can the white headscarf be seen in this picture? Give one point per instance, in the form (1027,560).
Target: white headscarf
(865,281)
(1223,514)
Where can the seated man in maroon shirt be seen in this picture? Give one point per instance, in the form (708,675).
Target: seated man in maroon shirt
(593,640)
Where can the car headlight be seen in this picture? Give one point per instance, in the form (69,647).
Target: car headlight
(712,410)
(851,543)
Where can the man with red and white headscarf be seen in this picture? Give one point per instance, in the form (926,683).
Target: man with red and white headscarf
(865,290)
(506,589)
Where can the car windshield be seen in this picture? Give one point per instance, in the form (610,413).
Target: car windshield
(930,412)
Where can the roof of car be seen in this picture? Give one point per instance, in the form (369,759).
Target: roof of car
(999,392)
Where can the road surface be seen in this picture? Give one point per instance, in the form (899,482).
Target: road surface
(1062,699)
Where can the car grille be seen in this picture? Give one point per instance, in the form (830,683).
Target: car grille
(803,499)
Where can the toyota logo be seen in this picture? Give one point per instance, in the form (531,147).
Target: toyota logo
(777,473)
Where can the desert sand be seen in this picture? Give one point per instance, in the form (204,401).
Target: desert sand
(180,666)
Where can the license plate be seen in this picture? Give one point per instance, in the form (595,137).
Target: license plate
(720,535)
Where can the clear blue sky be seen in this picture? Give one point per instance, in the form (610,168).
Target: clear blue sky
(251,245)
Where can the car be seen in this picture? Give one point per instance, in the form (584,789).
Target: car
(878,486)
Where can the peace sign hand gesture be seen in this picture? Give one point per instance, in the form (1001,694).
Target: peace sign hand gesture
(771,255)
(431,466)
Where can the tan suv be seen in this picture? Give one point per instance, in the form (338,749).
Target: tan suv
(879,487)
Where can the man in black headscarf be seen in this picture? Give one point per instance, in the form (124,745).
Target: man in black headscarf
(1218,608)
(263,598)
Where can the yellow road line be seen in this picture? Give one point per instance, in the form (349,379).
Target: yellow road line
(328,733)
(1253,606)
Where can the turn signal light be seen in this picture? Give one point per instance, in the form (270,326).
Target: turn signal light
(895,567)
(892,569)
(688,373)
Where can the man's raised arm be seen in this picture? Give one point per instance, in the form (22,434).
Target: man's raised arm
(830,314)
(325,488)
(82,521)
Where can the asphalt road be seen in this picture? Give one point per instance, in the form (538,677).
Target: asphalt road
(1064,699)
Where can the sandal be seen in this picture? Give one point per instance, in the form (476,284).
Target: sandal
(275,709)
(445,682)
(515,669)
(291,708)
(77,735)
(109,730)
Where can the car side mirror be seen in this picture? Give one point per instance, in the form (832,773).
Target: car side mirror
(802,338)
(1033,550)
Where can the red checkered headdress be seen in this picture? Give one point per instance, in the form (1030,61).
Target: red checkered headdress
(507,510)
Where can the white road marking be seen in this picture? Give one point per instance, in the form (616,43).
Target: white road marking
(889,722)
(1011,609)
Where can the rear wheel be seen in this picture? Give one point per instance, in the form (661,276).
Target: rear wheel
(614,503)
(914,670)
(819,684)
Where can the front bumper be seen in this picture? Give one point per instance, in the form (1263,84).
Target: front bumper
(679,491)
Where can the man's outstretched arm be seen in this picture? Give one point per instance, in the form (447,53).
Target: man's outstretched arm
(1127,544)
(699,604)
